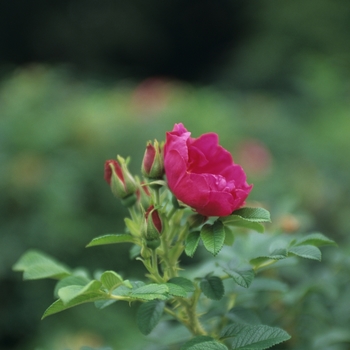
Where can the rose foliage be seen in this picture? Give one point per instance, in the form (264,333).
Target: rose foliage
(202,175)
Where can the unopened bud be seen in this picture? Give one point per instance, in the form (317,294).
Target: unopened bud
(154,228)
(153,163)
(119,178)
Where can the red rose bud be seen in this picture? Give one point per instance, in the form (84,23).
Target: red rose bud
(154,228)
(153,164)
(119,178)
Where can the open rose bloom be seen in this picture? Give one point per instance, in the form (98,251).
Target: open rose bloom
(202,174)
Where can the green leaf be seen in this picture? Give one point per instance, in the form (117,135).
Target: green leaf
(191,243)
(69,293)
(58,305)
(306,251)
(263,260)
(253,214)
(111,239)
(254,337)
(111,280)
(237,221)
(71,280)
(242,276)
(229,236)
(212,287)
(151,291)
(148,315)
(176,290)
(233,330)
(132,226)
(203,342)
(37,265)
(213,237)
(185,283)
(315,239)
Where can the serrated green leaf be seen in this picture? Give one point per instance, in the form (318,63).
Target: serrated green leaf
(242,276)
(150,292)
(203,342)
(69,293)
(37,265)
(257,337)
(148,315)
(59,306)
(111,239)
(71,280)
(229,236)
(306,251)
(185,283)
(233,330)
(213,237)
(111,280)
(212,287)
(191,243)
(253,214)
(315,239)
(263,260)
(176,290)
(237,221)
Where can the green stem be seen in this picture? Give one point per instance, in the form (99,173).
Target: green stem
(191,309)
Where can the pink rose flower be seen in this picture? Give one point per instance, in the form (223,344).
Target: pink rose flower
(202,174)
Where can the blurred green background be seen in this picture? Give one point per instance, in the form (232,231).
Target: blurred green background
(83,81)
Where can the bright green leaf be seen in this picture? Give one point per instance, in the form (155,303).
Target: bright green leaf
(132,226)
(237,221)
(213,237)
(58,305)
(37,265)
(203,342)
(111,280)
(71,280)
(263,260)
(256,337)
(242,276)
(111,239)
(229,236)
(315,239)
(150,292)
(212,287)
(185,283)
(148,315)
(176,290)
(69,293)
(253,214)
(306,251)
(191,243)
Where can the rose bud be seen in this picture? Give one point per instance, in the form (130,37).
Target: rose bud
(154,228)
(153,164)
(121,181)
(202,174)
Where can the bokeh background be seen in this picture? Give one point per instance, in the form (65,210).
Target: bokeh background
(83,81)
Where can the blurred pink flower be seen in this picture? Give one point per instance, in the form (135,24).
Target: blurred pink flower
(255,157)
